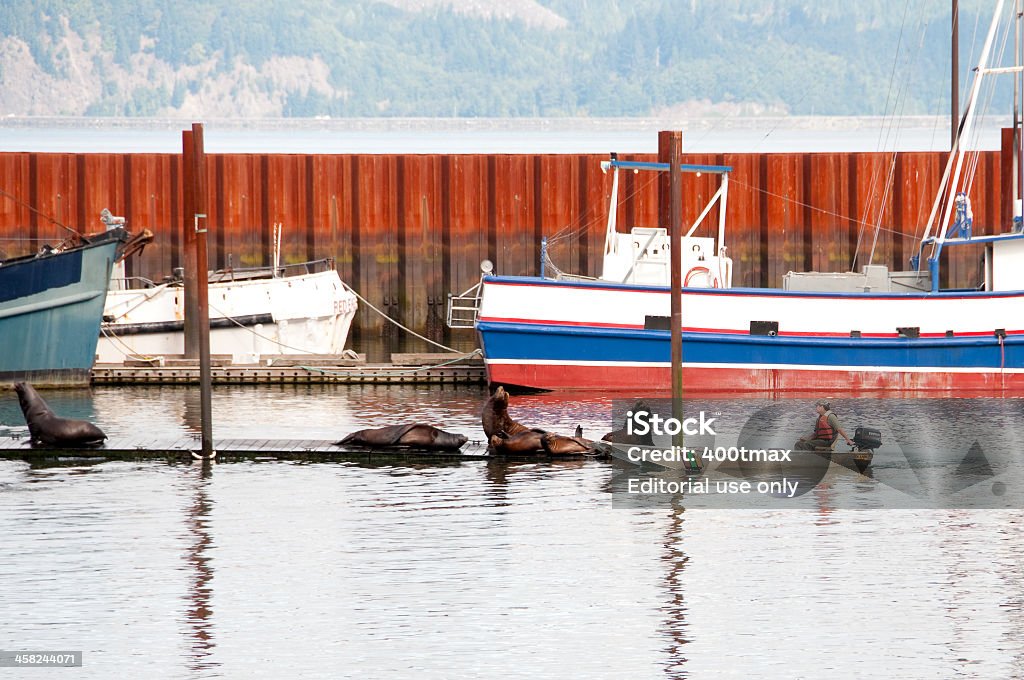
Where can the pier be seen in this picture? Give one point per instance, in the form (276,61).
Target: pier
(181,448)
(403,369)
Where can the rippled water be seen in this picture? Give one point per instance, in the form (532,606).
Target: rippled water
(481,569)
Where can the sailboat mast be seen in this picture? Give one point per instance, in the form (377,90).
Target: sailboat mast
(955,162)
(1018,107)
(954,78)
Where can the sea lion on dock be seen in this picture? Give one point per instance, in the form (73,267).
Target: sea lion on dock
(576,445)
(560,445)
(416,435)
(539,442)
(495,417)
(520,443)
(623,435)
(45,427)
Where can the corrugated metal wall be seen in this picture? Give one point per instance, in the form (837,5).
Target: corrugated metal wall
(408,229)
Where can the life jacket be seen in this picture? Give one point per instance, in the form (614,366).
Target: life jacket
(822,430)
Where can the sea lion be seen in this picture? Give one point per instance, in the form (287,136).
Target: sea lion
(539,442)
(416,435)
(520,443)
(45,427)
(577,445)
(623,436)
(560,445)
(495,417)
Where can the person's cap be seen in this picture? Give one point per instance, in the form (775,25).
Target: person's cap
(824,403)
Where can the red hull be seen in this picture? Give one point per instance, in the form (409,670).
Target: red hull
(648,379)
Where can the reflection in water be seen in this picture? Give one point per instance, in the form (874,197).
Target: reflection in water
(1011,574)
(454,570)
(192,414)
(200,614)
(675,587)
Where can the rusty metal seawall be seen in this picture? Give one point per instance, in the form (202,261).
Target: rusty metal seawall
(406,230)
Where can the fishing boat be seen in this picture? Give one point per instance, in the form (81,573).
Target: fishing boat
(300,309)
(873,329)
(51,306)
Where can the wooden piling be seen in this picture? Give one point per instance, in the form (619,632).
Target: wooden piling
(197,303)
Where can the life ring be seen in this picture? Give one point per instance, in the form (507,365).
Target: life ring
(697,271)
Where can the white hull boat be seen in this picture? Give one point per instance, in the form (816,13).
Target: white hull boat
(253,314)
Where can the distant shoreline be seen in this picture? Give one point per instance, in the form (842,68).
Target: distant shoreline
(797,134)
(831,123)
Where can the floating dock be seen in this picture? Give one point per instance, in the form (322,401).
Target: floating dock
(176,448)
(404,369)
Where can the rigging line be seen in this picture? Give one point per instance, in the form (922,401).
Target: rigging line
(260,335)
(388,318)
(900,108)
(639,188)
(974,156)
(885,126)
(892,73)
(944,101)
(970,60)
(815,208)
(40,213)
(579,225)
(127,350)
(881,209)
(892,131)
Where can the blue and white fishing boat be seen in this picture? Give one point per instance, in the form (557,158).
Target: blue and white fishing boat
(859,331)
(51,307)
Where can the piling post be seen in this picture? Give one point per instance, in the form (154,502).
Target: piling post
(188,246)
(194,161)
(670,150)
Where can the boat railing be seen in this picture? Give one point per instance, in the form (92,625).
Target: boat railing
(131,283)
(231,273)
(463,309)
(228,274)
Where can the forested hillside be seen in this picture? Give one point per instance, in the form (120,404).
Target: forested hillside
(259,58)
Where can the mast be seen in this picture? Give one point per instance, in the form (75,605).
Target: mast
(954,79)
(956,156)
(1018,107)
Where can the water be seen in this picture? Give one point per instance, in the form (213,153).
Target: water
(327,570)
(493,136)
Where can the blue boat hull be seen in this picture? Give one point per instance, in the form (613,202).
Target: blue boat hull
(51,308)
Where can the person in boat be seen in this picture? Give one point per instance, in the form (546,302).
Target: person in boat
(826,430)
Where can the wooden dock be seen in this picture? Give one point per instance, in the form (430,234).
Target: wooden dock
(404,369)
(186,448)
(181,448)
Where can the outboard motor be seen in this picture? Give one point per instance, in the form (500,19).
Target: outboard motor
(867,438)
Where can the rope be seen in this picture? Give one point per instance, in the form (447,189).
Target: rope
(580,224)
(898,95)
(40,213)
(816,208)
(388,318)
(260,335)
(128,349)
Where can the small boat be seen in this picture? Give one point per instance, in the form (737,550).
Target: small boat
(870,330)
(51,307)
(295,309)
(859,457)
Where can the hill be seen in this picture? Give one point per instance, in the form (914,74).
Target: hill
(495,58)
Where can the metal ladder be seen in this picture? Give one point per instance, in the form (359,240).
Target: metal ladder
(463,309)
